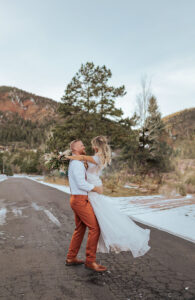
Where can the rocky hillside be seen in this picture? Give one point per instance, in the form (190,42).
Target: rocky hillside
(181,129)
(27,105)
(25,119)
(181,124)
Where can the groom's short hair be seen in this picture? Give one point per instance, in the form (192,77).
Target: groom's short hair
(72,143)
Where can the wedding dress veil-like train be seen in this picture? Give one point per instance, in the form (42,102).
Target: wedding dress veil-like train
(118,231)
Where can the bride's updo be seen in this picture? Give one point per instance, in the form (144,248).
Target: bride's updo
(100,143)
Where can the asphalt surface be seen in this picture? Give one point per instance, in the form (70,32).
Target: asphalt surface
(33,244)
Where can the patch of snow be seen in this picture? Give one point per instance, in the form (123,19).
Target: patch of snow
(3,177)
(36,207)
(130,186)
(3,212)
(20,237)
(63,188)
(40,178)
(17,211)
(17,98)
(33,177)
(32,100)
(179,221)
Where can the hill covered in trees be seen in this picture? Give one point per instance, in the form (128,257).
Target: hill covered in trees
(181,132)
(181,124)
(25,119)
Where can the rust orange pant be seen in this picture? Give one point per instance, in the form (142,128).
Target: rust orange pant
(84,217)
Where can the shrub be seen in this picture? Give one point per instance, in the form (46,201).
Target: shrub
(190,180)
(181,189)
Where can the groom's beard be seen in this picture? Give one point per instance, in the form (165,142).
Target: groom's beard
(83,152)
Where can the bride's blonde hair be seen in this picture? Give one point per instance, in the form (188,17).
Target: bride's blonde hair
(103,149)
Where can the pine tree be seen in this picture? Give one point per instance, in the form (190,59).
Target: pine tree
(1,163)
(157,149)
(88,108)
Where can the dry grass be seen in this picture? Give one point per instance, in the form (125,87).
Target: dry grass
(56,180)
(112,186)
(126,192)
(180,181)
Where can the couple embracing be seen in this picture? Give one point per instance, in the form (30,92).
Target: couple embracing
(109,228)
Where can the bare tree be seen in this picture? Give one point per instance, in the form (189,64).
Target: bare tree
(142,100)
(142,110)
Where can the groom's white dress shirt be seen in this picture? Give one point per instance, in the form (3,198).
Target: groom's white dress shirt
(77,178)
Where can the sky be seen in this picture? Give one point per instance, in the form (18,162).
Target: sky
(43,44)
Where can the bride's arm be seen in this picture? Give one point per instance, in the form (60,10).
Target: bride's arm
(82,157)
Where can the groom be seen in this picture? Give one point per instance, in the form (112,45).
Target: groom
(83,212)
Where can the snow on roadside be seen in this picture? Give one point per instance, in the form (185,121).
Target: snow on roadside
(33,177)
(3,177)
(62,188)
(179,221)
(40,178)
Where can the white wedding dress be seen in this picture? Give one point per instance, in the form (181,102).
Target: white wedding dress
(118,231)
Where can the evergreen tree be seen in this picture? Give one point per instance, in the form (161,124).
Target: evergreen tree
(88,108)
(158,151)
(1,163)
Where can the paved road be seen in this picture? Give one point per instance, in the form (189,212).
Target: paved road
(34,239)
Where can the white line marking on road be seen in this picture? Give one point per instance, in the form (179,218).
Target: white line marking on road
(47,212)
(52,217)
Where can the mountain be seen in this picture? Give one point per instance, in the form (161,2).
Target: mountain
(181,124)
(25,119)
(181,130)
(27,105)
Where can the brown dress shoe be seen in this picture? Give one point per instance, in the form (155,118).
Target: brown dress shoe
(74,261)
(94,266)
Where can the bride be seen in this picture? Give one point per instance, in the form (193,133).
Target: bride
(118,231)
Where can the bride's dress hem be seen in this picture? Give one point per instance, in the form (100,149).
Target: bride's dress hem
(117,248)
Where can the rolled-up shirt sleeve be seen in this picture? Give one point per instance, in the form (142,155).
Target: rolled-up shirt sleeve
(78,173)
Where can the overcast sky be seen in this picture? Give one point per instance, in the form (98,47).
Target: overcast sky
(44,42)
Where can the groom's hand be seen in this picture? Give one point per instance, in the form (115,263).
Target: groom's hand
(98,189)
